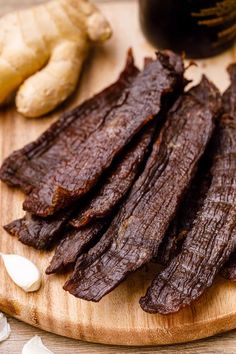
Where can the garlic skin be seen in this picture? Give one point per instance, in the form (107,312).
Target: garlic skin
(35,346)
(5,328)
(23,272)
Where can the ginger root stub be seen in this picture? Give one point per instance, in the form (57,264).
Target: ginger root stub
(42,50)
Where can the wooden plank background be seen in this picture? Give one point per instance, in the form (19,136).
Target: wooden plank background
(21,332)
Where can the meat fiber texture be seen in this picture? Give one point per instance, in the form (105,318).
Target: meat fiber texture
(73,245)
(26,167)
(229,269)
(187,212)
(76,175)
(117,182)
(229,102)
(138,229)
(212,239)
(41,233)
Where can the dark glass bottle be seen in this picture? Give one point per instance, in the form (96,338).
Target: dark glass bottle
(200,28)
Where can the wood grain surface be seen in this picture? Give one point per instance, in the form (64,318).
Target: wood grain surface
(21,332)
(117,319)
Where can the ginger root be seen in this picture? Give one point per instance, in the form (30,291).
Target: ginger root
(42,50)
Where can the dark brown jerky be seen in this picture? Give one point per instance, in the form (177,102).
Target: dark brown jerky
(88,258)
(73,245)
(75,176)
(118,181)
(41,233)
(229,97)
(37,232)
(26,167)
(136,232)
(229,269)
(211,240)
(120,178)
(229,100)
(184,219)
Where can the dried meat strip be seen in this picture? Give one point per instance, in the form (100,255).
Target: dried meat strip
(136,232)
(118,181)
(41,233)
(89,257)
(229,269)
(183,221)
(229,97)
(209,243)
(37,232)
(26,167)
(75,176)
(211,240)
(229,102)
(75,243)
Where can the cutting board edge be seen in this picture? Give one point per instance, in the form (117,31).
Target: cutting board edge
(118,336)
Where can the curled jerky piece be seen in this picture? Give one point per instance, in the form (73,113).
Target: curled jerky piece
(137,231)
(75,242)
(37,232)
(75,176)
(41,233)
(26,167)
(118,181)
(210,242)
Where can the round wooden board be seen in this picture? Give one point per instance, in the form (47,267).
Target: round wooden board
(117,319)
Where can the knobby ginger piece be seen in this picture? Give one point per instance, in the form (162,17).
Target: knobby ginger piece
(42,50)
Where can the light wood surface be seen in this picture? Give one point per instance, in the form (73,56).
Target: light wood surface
(21,332)
(117,319)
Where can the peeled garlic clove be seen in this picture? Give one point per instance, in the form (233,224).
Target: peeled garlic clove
(22,271)
(35,346)
(5,328)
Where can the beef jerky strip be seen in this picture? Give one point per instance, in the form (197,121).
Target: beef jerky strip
(211,240)
(30,163)
(75,243)
(183,221)
(26,167)
(37,232)
(209,243)
(139,227)
(75,176)
(41,233)
(229,101)
(229,269)
(118,181)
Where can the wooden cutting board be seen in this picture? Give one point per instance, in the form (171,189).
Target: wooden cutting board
(117,319)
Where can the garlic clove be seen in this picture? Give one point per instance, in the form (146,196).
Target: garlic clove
(35,346)
(23,272)
(5,328)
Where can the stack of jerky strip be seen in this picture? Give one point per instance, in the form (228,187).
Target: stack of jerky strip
(109,181)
